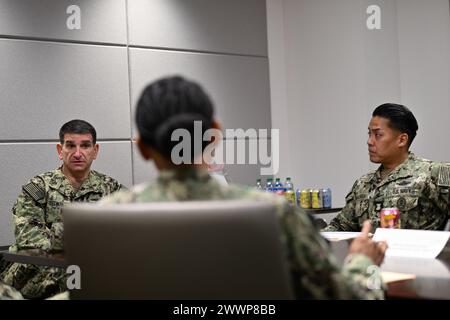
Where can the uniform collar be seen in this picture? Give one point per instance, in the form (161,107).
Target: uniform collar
(60,182)
(184,174)
(402,171)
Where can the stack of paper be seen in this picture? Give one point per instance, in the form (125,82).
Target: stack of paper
(338,235)
(412,243)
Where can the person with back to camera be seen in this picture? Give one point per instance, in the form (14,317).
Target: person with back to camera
(174,102)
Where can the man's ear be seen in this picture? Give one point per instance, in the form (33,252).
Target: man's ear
(145,150)
(403,140)
(59,150)
(96,148)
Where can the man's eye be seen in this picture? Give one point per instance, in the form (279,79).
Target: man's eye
(85,146)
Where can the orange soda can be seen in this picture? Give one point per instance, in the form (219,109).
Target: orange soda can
(390,218)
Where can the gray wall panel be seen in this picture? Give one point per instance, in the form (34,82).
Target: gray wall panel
(231,26)
(424,47)
(24,161)
(45,84)
(238,86)
(326,93)
(246,173)
(101,20)
(114,159)
(382,57)
(143,171)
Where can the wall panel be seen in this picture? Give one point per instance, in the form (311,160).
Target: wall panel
(231,26)
(99,20)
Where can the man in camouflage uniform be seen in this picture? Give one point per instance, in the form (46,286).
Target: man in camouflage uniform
(37,215)
(173,103)
(419,188)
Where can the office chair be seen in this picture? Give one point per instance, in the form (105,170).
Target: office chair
(177,250)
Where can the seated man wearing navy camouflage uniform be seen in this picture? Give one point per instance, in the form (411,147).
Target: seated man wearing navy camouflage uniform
(419,188)
(37,212)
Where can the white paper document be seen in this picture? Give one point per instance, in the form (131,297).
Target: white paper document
(430,268)
(339,235)
(412,243)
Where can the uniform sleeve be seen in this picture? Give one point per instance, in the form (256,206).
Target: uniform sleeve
(346,219)
(9,293)
(29,224)
(315,270)
(440,189)
(116,186)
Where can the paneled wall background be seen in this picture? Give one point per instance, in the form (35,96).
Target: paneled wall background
(50,74)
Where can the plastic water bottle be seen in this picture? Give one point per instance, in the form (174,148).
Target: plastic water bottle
(269,185)
(279,188)
(259,186)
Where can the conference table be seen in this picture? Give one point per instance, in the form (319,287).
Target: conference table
(432,276)
(36,257)
(432,279)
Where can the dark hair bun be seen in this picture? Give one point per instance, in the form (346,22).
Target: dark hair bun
(163,139)
(169,104)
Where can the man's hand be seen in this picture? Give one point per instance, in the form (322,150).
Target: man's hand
(364,245)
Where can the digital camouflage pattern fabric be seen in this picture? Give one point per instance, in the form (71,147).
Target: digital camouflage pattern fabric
(315,272)
(38,224)
(8,293)
(419,188)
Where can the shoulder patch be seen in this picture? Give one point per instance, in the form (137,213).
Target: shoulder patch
(36,192)
(444,176)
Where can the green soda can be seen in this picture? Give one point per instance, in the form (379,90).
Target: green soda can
(305,199)
(317,199)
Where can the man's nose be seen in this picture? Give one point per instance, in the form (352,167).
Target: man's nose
(370,141)
(77,152)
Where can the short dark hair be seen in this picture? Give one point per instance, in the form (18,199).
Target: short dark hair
(169,104)
(77,126)
(400,118)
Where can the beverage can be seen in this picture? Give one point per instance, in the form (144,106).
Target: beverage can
(390,218)
(326,198)
(298,194)
(305,199)
(290,196)
(317,199)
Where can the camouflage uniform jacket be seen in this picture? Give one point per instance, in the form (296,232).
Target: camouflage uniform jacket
(38,224)
(314,270)
(419,188)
